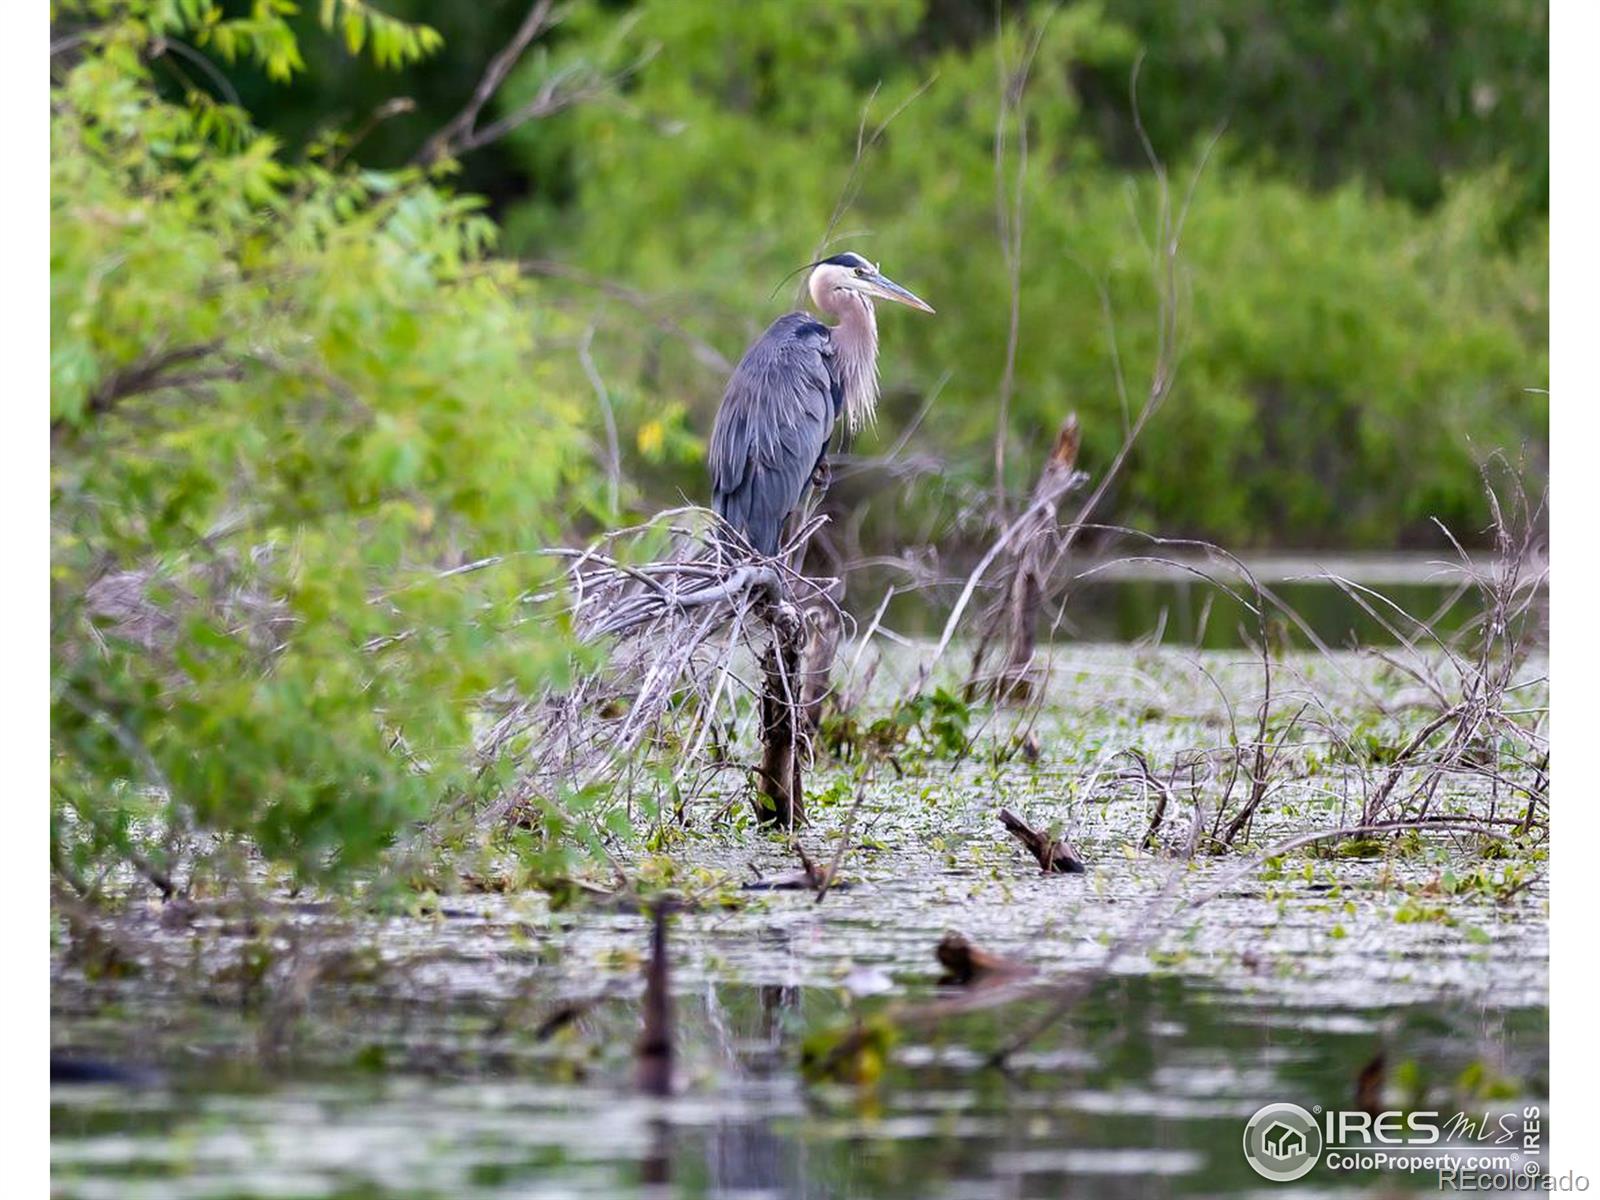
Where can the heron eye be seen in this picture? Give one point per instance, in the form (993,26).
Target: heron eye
(861,272)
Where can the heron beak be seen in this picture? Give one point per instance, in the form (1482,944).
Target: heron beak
(887,289)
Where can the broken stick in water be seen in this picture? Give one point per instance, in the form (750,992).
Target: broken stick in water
(1053,855)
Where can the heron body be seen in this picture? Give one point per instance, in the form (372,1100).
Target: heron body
(788,393)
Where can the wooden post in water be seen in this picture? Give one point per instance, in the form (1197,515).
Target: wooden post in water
(653,1056)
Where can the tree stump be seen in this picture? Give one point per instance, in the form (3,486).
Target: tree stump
(779,796)
(1016,619)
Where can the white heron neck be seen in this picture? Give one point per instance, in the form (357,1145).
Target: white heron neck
(855,351)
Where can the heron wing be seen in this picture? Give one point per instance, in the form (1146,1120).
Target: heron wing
(772,428)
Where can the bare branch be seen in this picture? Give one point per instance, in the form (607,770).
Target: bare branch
(157,371)
(563,89)
(1009,212)
(459,129)
(613,453)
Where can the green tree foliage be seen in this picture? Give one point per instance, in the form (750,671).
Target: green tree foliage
(1403,94)
(286,400)
(1347,356)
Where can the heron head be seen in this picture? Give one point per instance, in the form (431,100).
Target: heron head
(849,273)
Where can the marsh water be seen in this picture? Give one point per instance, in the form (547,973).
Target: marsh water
(1143,1091)
(1191,600)
(481,1044)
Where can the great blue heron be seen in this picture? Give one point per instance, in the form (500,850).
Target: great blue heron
(788,392)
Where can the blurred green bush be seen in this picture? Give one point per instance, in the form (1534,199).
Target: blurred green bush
(285,396)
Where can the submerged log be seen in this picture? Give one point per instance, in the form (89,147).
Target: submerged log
(1056,856)
(964,962)
(810,878)
(779,795)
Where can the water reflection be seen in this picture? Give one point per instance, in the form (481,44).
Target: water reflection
(1170,605)
(1143,1093)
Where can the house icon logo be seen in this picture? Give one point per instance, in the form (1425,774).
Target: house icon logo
(1282,1142)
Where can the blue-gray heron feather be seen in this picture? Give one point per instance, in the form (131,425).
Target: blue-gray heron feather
(773,427)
